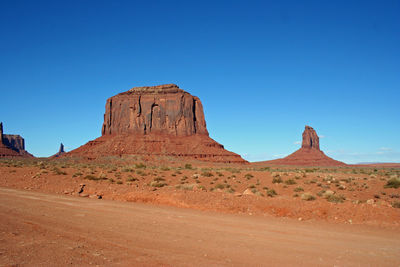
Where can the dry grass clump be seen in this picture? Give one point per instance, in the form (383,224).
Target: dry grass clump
(290,182)
(298,189)
(57,171)
(94,178)
(277,180)
(393,183)
(248,176)
(188,166)
(271,193)
(396,204)
(307,197)
(336,198)
(132,179)
(207,174)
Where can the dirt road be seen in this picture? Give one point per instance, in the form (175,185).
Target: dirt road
(38,229)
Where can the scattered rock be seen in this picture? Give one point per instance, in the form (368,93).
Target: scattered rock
(248,192)
(370,201)
(81,188)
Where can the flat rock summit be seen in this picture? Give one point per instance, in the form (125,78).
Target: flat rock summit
(161,120)
(12,145)
(309,154)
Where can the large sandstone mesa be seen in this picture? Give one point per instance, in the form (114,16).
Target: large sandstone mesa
(163,109)
(309,154)
(12,145)
(159,120)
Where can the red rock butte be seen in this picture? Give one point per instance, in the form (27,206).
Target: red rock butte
(161,120)
(309,154)
(12,145)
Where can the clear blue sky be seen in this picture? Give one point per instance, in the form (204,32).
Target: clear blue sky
(263,70)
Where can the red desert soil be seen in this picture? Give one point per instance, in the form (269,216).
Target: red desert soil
(40,229)
(350,195)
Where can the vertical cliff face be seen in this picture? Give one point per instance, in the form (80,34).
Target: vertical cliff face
(163,109)
(60,152)
(310,138)
(1,133)
(12,145)
(156,121)
(14,141)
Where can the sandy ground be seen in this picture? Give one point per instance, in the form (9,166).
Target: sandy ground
(41,229)
(225,188)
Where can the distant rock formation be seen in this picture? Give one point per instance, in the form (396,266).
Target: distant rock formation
(12,145)
(310,138)
(159,120)
(309,154)
(60,151)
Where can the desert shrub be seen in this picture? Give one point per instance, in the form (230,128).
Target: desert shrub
(58,171)
(310,170)
(298,189)
(141,173)
(248,176)
(207,174)
(77,174)
(277,180)
(127,169)
(290,182)
(132,179)
(140,166)
(188,166)
(119,182)
(160,183)
(163,168)
(103,176)
(271,193)
(220,174)
(251,186)
(188,187)
(393,183)
(91,177)
(307,197)
(219,186)
(335,198)
(396,204)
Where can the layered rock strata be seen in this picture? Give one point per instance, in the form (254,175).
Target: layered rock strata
(12,145)
(159,120)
